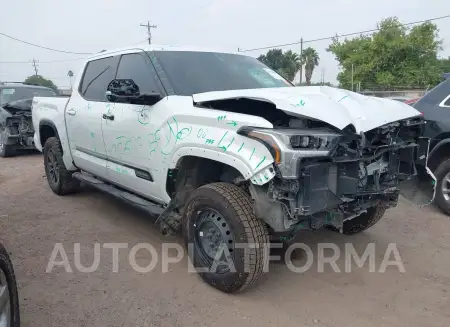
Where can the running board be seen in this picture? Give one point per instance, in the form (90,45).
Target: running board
(136,201)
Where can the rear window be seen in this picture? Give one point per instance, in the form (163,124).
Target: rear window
(98,74)
(11,94)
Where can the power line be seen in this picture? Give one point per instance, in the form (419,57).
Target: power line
(340,35)
(134,44)
(42,47)
(41,62)
(57,61)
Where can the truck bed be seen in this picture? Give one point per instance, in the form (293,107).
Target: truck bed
(49,109)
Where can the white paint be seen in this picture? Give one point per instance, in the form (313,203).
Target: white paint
(324,103)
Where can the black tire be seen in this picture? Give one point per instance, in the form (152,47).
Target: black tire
(7,150)
(440,173)
(364,221)
(59,178)
(236,209)
(7,269)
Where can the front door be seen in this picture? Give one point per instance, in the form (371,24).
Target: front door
(126,129)
(84,117)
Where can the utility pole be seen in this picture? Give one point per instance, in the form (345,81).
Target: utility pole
(149,30)
(352,77)
(301,60)
(34,64)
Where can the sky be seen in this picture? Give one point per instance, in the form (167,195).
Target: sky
(89,26)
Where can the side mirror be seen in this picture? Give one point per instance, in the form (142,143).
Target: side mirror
(127,91)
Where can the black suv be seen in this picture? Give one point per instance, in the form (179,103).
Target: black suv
(16,127)
(435,106)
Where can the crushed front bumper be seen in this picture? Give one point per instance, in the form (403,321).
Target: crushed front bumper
(327,185)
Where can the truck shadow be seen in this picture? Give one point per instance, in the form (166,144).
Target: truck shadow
(281,272)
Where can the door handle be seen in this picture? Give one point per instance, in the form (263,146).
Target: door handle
(110,117)
(71,112)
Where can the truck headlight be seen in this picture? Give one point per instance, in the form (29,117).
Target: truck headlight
(315,141)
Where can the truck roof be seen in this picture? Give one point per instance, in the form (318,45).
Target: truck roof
(153,47)
(20,84)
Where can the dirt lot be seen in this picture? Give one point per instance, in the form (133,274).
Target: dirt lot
(35,219)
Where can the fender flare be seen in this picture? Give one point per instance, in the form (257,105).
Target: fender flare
(227,158)
(46,122)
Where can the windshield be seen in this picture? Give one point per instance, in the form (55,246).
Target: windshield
(20,93)
(196,72)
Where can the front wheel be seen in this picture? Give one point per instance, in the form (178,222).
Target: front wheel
(364,221)
(59,178)
(227,243)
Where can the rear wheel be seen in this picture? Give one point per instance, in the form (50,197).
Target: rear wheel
(59,178)
(364,221)
(227,243)
(9,299)
(7,150)
(442,175)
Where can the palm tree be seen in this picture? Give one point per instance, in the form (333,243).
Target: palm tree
(291,64)
(70,74)
(286,64)
(309,58)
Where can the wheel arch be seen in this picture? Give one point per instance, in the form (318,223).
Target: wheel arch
(440,152)
(47,129)
(191,172)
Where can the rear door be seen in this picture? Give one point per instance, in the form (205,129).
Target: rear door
(84,116)
(127,134)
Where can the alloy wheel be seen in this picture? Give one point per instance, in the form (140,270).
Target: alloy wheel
(52,167)
(445,187)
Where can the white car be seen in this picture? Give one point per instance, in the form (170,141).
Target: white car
(220,146)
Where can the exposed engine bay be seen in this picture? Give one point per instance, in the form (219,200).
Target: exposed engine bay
(326,176)
(20,125)
(16,125)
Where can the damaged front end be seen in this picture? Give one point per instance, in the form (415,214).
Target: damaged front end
(16,126)
(325,177)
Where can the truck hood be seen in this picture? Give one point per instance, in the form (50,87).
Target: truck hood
(19,105)
(336,107)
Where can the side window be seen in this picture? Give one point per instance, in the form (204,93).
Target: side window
(447,102)
(133,66)
(96,78)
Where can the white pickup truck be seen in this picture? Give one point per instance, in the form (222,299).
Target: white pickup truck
(221,147)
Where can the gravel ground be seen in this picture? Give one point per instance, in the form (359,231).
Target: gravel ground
(35,220)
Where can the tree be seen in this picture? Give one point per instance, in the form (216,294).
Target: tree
(309,58)
(445,65)
(395,56)
(39,80)
(286,64)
